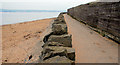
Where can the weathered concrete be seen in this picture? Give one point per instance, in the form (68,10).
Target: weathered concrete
(90,47)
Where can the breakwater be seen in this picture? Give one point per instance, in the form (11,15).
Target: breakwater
(57,47)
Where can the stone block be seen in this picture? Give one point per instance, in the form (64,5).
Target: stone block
(51,51)
(63,39)
(58,59)
(52,44)
(59,29)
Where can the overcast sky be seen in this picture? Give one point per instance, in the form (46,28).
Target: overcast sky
(41,4)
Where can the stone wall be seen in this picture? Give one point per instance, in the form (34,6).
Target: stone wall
(107,0)
(103,17)
(57,47)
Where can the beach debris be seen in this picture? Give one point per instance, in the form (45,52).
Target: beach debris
(27,36)
(30,57)
(5,60)
(14,32)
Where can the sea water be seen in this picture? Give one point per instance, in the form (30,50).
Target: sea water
(18,17)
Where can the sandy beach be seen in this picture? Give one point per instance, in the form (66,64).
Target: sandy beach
(18,39)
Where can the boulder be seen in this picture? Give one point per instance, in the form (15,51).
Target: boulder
(59,29)
(45,39)
(70,53)
(60,19)
(51,51)
(58,59)
(63,39)
(56,21)
(60,16)
(52,44)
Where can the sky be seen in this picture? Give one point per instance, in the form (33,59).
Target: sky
(41,4)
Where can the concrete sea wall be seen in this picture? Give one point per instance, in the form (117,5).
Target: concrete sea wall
(103,17)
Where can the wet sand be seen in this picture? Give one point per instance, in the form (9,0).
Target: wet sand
(19,39)
(91,47)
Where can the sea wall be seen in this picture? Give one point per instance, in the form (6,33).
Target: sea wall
(103,17)
(57,47)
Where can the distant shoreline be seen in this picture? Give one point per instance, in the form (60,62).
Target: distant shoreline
(27,21)
(7,10)
(15,12)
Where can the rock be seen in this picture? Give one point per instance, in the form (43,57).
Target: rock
(58,59)
(52,44)
(60,16)
(59,29)
(45,39)
(56,21)
(70,53)
(60,19)
(49,52)
(63,39)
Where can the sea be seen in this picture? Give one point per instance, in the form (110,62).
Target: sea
(18,17)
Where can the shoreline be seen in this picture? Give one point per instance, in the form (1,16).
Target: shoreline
(26,21)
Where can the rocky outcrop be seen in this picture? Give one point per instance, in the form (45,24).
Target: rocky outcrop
(57,47)
(103,17)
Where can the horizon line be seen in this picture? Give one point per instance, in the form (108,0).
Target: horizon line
(14,10)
